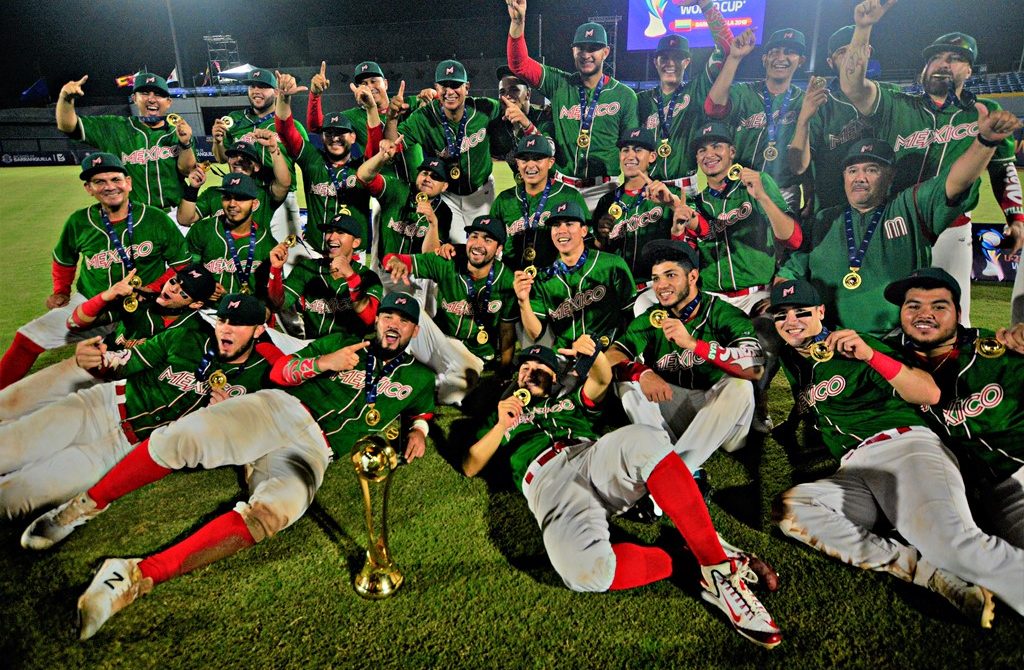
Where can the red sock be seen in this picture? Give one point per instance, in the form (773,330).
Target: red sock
(637,565)
(18,360)
(133,472)
(672,487)
(218,539)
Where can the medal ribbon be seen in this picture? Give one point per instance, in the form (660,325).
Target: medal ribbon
(371,381)
(338,186)
(641,197)
(203,370)
(587,111)
(856,256)
(665,117)
(243,277)
(532,221)
(689,309)
(773,125)
(126,257)
(452,139)
(479,307)
(561,269)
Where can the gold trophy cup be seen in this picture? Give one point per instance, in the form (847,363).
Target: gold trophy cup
(375,459)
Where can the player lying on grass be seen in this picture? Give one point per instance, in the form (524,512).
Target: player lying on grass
(574,480)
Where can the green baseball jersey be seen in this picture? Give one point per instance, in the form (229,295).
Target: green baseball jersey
(614,113)
(853,402)
(338,403)
(901,243)
(739,250)
(402,229)
(596,299)
(149,155)
(208,243)
(505,136)
(161,386)
(748,118)
(927,141)
(245,122)
(134,328)
(508,207)
(324,302)
(457,313)
(642,221)
(323,200)
(425,127)
(210,203)
(714,320)
(154,244)
(405,163)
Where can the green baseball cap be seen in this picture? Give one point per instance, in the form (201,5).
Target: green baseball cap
(337,121)
(534,145)
(925,278)
(450,71)
(242,310)
(674,251)
(675,44)
(711,132)
(147,81)
(489,225)
(869,150)
(344,223)
(100,162)
(840,38)
(787,38)
(365,70)
(436,167)
(590,33)
(243,148)
(568,211)
(403,304)
(637,137)
(239,185)
(261,78)
(198,282)
(795,293)
(541,354)
(960,43)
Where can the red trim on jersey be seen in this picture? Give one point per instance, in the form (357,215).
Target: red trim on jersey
(1007,189)
(269,351)
(91,308)
(716,111)
(520,63)
(275,286)
(374,186)
(158,285)
(289,134)
(726,359)
(369,311)
(587,402)
(885,365)
(628,371)
(63,276)
(374,135)
(314,114)
(405,258)
(796,239)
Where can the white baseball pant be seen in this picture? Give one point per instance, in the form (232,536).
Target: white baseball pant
(1004,508)
(50,331)
(465,208)
(43,387)
(448,357)
(953,253)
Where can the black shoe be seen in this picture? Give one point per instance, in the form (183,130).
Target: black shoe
(644,511)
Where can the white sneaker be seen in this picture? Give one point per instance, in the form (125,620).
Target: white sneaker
(116,585)
(725,585)
(58,523)
(974,601)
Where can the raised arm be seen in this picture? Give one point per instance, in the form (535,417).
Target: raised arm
(853,76)
(913,385)
(717,105)
(993,129)
(67,118)
(519,60)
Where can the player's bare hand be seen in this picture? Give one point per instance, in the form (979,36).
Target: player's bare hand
(742,45)
(516,10)
(57,300)
(583,346)
(1012,337)
(121,288)
(814,98)
(514,113)
(751,179)
(996,126)
(279,256)
(426,96)
(341,266)
(363,95)
(397,105)
(675,331)
(522,284)
(415,445)
(345,358)
(197,177)
(849,343)
(870,12)
(398,270)
(682,216)
(219,130)
(389,149)
(218,293)
(218,395)
(446,251)
(183,131)
(266,137)
(89,353)
(1013,237)
(509,411)
(657,191)
(654,387)
(73,89)
(287,85)
(320,83)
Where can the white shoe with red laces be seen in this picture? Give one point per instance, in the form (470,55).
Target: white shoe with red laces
(725,585)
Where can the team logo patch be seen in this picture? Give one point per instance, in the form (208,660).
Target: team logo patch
(867,147)
(788,291)
(530,143)
(97,161)
(788,36)
(589,33)
(234,181)
(450,70)
(234,303)
(255,73)
(635,133)
(562,207)
(150,80)
(365,68)
(194,274)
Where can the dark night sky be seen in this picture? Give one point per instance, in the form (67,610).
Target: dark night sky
(62,39)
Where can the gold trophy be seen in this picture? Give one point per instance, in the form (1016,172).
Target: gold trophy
(375,459)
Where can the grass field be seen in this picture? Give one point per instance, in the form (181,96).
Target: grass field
(479,592)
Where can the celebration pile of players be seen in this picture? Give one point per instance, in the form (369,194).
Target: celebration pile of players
(216,327)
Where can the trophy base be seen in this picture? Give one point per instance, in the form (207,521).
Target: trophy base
(375,582)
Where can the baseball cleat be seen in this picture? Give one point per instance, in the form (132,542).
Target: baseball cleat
(725,585)
(974,601)
(58,523)
(116,585)
(766,575)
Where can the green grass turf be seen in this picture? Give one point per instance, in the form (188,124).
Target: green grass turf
(479,591)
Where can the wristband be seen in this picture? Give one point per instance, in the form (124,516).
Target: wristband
(190,193)
(422,426)
(884,365)
(991,144)
(355,283)
(185,145)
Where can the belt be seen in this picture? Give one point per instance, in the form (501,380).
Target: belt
(581,183)
(886,435)
(744,291)
(545,457)
(122,411)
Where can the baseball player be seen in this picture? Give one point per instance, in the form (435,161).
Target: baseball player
(68,445)
(584,291)
(981,417)
(590,109)
(573,480)
(241,125)
(230,244)
(930,131)
(112,237)
(688,372)
(876,238)
(519,119)
(329,176)
(334,393)
(891,467)
(453,126)
(672,110)
(135,318)
(155,153)
(477,309)
(763,113)
(525,208)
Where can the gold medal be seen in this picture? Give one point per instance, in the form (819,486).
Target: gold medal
(135,282)
(291,241)
(664,149)
(523,395)
(173,119)
(989,347)
(481,336)
(391,432)
(583,139)
(604,341)
(529,254)
(615,210)
(852,280)
(227,121)
(372,416)
(531,271)
(131,303)
(423,197)
(735,170)
(658,317)
(455,173)
(820,352)
(218,380)
(244,289)
(770,152)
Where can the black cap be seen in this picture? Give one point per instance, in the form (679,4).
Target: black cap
(338,121)
(540,354)
(489,225)
(242,310)
(345,223)
(925,278)
(674,44)
(198,282)
(534,145)
(568,210)
(403,304)
(243,148)
(711,132)
(637,137)
(960,43)
(239,185)
(436,167)
(676,251)
(505,71)
(795,293)
(100,162)
(869,150)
